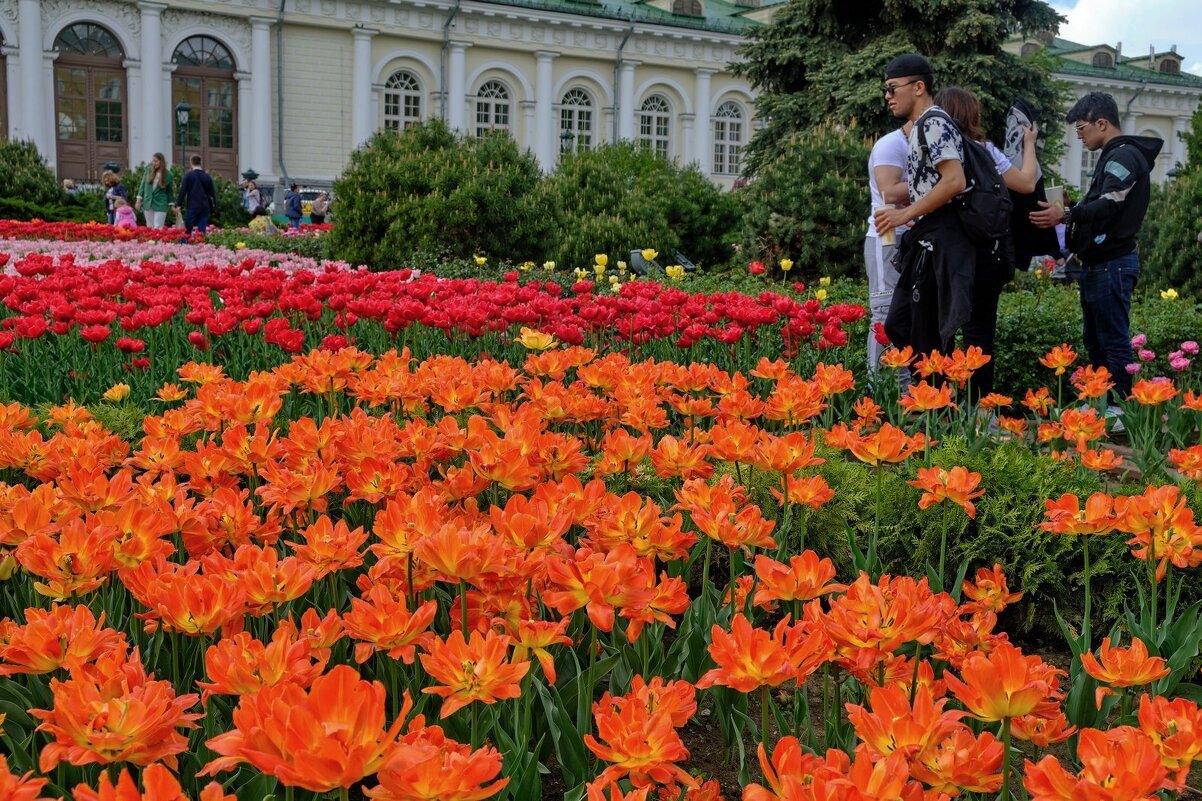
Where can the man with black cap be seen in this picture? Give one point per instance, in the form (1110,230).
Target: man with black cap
(936,258)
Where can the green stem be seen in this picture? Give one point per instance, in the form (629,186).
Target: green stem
(463,606)
(765,701)
(1085,626)
(1005,796)
(943,553)
(705,568)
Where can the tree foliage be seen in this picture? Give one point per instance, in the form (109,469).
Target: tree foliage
(825,60)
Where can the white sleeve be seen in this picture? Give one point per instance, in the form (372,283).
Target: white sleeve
(999,158)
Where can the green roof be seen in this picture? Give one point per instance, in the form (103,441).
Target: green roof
(720,16)
(1120,71)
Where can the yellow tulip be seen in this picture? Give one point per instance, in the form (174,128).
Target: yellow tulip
(239,246)
(650,254)
(117,393)
(786,264)
(601,259)
(8,567)
(480,260)
(820,294)
(621,266)
(549,266)
(824,281)
(1169,294)
(535,340)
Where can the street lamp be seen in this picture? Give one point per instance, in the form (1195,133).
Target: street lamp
(182,113)
(565,140)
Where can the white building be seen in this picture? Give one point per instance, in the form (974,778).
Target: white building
(290,87)
(1154,96)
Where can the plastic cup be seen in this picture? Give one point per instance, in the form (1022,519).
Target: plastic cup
(889,238)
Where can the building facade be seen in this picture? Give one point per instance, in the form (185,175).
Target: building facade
(291,88)
(1154,96)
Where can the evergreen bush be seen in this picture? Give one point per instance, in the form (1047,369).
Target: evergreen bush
(26,176)
(619,197)
(810,204)
(426,189)
(1170,254)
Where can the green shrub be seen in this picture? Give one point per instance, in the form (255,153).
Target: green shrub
(26,176)
(310,246)
(1170,254)
(231,212)
(80,208)
(810,203)
(617,198)
(426,189)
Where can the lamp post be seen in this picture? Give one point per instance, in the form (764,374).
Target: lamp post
(565,140)
(182,114)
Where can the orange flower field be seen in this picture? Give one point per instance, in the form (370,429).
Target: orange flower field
(369,576)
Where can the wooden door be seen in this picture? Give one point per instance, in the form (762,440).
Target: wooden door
(213,123)
(90,108)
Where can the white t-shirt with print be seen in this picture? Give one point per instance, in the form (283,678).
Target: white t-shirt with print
(943,143)
(889,151)
(1000,161)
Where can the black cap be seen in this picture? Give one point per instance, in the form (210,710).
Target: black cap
(907,65)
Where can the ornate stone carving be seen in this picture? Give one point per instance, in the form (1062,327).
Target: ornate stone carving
(233,30)
(8,10)
(125,13)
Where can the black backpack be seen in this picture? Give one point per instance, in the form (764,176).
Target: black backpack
(985,206)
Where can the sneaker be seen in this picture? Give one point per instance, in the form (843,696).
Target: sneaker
(1115,415)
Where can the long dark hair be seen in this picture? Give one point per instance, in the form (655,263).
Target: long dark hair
(963,107)
(158,177)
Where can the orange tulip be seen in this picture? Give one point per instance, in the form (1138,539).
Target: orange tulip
(1003,683)
(995,400)
(1188,461)
(1124,667)
(1081,428)
(892,724)
(112,711)
(74,563)
(534,637)
(1162,526)
(599,583)
(1100,461)
(1092,382)
(430,767)
(19,788)
(1192,401)
(1175,728)
(744,528)
(888,444)
(1153,392)
(673,458)
(896,359)
(957,485)
(1119,765)
(872,620)
(961,762)
(459,553)
(786,454)
(805,578)
(1042,731)
(157,785)
(1065,516)
(834,379)
(382,622)
(472,670)
(641,742)
(54,639)
(327,737)
(796,775)
(989,592)
(612,791)
(811,491)
(923,397)
(241,665)
(1039,402)
(750,657)
(1059,358)
(331,546)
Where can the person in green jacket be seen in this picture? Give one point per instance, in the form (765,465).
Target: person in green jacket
(154,195)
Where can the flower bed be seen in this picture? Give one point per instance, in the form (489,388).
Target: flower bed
(100,232)
(403,579)
(97,252)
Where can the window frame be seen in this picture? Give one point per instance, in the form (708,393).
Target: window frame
(728,148)
(406,97)
(651,120)
(491,104)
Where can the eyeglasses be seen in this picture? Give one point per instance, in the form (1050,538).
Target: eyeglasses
(1082,125)
(890,91)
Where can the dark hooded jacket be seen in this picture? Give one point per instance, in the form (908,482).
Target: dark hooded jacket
(1107,220)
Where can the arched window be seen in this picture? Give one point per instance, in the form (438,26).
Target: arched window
(1170,67)
(402,101)
(1030,48)
(728,139)
(204,79)
(689,8)
(89,101)
(1103,60)
(492,108)
(1089,160)
(655,126)
(576,118)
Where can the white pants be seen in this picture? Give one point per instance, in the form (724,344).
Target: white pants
(155,219)
(882,280)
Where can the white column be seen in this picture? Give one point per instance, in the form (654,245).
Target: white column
(1180,151)
(361,121)
(530,129)
(247,118)
(703,151)
(154,116)
(685,154)
(260,157)
(456,87)
(626,109)
(135,143)
(28,125)
(544,110)
(13,82)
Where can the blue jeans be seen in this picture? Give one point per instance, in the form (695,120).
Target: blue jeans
(196,218)
(1106,313)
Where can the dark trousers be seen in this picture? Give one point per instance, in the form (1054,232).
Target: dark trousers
(317,219)
(196,218)
(1106,290)
(981,328)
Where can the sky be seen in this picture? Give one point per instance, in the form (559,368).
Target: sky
(1137,24)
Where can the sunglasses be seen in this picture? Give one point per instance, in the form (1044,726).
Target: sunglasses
(891,90)
(1081,126)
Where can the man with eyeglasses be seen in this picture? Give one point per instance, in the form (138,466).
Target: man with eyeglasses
(1101,231)
(936,258)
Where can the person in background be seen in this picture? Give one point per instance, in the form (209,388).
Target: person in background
(154,195)
(69,186)
(887,185)
(321,207)
(197,197)
(254,198)
(293,208)
(260,222)
(996,269)
(1101,232)
(113,189)
(937,259)
(123,214)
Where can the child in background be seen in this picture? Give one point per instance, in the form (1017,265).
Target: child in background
(124,214)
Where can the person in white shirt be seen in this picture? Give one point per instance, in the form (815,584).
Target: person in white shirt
(887,184)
